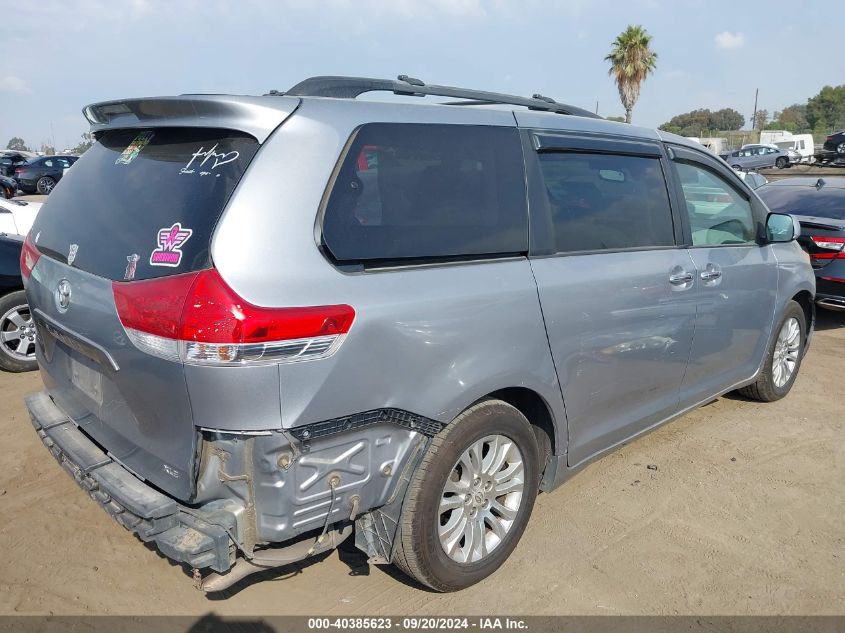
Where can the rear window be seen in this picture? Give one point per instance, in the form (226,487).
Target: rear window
(142,204)
(824,203)
(417,191)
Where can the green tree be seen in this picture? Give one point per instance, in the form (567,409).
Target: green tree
(796,115)
(827,109)
(761,117)
(631,60)
(726,119)
(85,144)
(703,122)
(17,143)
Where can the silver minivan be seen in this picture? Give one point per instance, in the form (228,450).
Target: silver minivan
(267,324)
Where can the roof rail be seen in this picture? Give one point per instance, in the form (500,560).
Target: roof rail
(352,87)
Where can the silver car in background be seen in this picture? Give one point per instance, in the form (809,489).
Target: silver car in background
(329,318)
(757,157)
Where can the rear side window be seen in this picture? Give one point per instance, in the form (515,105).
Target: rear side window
(604,201)
(142,204)
(418,191)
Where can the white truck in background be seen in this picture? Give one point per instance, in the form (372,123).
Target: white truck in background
(801,144)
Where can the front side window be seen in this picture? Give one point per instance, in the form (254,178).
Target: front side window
(718,213)
(603,201)
(419,191)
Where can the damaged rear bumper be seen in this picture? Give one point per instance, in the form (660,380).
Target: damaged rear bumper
(255,493)
(199,538)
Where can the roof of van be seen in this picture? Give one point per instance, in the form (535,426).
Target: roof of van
(259,115)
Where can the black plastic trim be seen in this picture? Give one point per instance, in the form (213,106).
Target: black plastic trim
(411,421)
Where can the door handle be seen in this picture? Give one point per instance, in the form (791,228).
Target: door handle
(710,275)
(680,279)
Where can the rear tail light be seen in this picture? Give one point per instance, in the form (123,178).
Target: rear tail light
(834,244)
(197,319)
(29,257)
(18,171)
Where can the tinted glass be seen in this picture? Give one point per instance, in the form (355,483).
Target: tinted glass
(826,202)
(600,201)
(415,191)
(143,203)
(718,213)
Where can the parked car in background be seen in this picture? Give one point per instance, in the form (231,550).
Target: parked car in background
(245,384)
(819,205)
(17,216)
(833,150)
(8,187)
(17,329)
(752,178)
(757,157)
(41,174)
(9,160)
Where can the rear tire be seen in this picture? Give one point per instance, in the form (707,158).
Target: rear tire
(454,529)
(736,167)
(45,185)
(773,383)
(17,334)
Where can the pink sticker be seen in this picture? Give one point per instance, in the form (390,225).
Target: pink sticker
(170,242)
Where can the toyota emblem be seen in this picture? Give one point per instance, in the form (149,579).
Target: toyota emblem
(63,295)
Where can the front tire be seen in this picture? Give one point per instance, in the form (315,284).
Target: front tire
(781,163)
(469,500)
(17,334)
(783,358)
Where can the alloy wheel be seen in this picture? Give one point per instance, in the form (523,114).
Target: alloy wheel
(785,356)
(17,333)
(481,499)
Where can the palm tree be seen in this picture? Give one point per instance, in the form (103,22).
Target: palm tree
(631,60)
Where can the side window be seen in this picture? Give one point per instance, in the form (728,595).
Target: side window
(718,213)
(47,162)
(417,191)
(604,201)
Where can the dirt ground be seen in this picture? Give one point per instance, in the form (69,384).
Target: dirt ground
(745,514)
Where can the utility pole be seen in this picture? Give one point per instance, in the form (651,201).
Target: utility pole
(754,116)
(597,107)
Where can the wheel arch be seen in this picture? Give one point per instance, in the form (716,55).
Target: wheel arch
(805,299)
(537,411)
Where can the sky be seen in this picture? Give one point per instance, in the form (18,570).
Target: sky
(59,55)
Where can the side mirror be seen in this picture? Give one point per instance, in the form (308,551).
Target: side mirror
(781,227)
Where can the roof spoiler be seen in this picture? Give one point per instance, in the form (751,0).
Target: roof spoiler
(257,116)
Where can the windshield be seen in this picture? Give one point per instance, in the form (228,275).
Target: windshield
(825,202)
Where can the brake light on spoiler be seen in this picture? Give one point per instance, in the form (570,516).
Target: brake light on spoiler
(196,318)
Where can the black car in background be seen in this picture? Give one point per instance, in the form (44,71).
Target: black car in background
(819,205)
(9,160)
(833,150)
(17,330)
(41,174)
(8,187)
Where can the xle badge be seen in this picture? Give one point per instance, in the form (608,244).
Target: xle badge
(170,242)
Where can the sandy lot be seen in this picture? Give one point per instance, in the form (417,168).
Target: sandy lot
(744,515)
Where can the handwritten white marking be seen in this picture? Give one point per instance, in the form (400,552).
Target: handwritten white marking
(219,158)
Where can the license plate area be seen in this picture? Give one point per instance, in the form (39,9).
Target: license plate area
(87,380)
